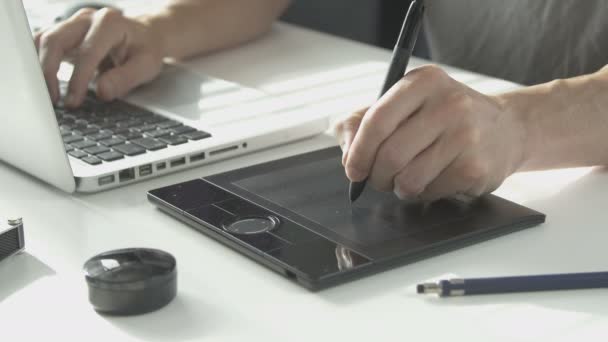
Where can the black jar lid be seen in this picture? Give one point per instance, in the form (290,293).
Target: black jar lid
(131,281)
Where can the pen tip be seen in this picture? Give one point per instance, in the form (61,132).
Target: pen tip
(354,190)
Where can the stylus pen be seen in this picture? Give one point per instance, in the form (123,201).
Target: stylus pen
(401,56)
(549,282)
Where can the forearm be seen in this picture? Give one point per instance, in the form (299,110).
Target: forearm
(189,27)
(565,122)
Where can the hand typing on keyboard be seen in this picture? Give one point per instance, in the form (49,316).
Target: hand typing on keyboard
(121,53)
(125,52)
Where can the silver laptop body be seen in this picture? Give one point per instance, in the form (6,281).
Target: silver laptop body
(238,120)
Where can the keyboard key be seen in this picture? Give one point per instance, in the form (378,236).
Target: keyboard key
(65,132)
(129,149)
(107,125)
(112,141)
(83,144)
(87,131)
(64,123)
(97,121)
(118,117)
(110,156)
(72,138)
(150,144)
(154,119)
(198,135)
(96,149)
(174,140)
(182,129)
(80,125)
(68,148)
(119,131)
(138,112)
(168,124)
(100,136)
(129,135)
(157,133)
(129,123)
(92,160)
(78,154)
(143,128)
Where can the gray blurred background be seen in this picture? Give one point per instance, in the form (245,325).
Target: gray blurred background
(374,22)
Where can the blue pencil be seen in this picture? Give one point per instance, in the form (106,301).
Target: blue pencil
(549,282)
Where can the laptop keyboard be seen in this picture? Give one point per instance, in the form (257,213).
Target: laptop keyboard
(99,132)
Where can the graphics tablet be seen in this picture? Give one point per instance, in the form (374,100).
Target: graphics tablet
(293,216)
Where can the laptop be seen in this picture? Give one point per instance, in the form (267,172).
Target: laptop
(179,121)
(294,216)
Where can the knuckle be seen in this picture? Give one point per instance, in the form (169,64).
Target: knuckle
(475,170)
(391,158)
(461,99)
(460,103)
(469,136)
(109,16)
(380,182)
(441,114)
(49,39)
(375,122)
(84,13)
(431,73)
(408,185)
(86,54)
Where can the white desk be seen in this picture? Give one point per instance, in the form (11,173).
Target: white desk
(223,296)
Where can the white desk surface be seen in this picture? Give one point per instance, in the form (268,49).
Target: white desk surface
(223,296)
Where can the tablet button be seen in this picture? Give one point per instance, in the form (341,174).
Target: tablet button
(252,225)
(287,230)
(220,219)
(319,258)
(211,215)
(190,195)
(243,208)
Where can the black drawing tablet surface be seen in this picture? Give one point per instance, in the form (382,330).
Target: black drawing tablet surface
(293,215)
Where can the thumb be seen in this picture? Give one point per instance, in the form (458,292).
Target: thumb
(119,81)
(346,130)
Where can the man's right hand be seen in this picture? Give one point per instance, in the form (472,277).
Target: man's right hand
(119,53)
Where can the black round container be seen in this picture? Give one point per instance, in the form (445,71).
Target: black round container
(131,281)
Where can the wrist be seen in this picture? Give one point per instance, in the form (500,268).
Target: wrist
(157,28)
(522,129)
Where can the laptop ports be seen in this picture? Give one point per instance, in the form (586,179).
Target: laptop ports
(161,166)
(178,162)
(145,170)
(224,150)
(197,157)
(126,175)
(106,180)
